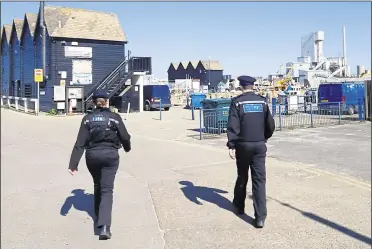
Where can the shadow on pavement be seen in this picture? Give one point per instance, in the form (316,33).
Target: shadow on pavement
(81,201)
(326,222)
(212,195)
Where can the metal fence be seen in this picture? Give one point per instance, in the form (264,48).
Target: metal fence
(213,122)
(27,105)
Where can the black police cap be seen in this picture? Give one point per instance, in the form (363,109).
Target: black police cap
(100,94)
(246,80)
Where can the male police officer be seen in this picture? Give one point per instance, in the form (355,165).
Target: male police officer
(249,126)
(101,133)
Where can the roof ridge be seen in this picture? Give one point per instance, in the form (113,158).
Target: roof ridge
(85,10)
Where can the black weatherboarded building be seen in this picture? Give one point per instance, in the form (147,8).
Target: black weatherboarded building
(5,59)
(207,71)
(82,48)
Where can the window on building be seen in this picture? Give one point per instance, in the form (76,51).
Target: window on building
(28,90)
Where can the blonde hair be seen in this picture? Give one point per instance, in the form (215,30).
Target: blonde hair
(100,102)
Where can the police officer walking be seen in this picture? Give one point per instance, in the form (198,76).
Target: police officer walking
(249,126)
(101,134)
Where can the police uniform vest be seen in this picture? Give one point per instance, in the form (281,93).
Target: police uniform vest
(251,109)
(102,131)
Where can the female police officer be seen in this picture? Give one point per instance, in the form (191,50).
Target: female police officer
(101,133)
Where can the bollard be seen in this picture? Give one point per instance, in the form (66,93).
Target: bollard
(128,111)
(273,104)
(192,112)
(37,107)
(160,108)
(280,117)
(360,110)
(339,113)
(311,116)
(200,123)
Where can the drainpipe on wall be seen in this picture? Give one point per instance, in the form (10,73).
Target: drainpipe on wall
(43,38)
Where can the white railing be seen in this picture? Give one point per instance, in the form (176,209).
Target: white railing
(27,105)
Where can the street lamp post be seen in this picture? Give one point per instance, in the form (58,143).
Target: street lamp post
(209,71)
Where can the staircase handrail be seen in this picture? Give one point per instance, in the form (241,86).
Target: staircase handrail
(108,78)
(121,83)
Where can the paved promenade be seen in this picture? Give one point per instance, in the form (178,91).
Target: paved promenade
(173,191)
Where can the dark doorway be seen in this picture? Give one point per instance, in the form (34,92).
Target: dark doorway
(19,90)
(11,88)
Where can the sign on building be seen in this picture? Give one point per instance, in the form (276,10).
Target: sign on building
(38,75)
(82,72)
(59,93)
(78,52)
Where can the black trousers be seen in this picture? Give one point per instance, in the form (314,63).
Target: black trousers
(251,155)
(103,165)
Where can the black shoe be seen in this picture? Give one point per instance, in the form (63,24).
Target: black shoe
(105,233)
(238,211)
(260,223)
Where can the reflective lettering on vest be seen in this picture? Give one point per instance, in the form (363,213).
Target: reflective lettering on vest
(249,108)
(98,119)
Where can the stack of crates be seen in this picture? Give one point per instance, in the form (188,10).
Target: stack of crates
(215,115)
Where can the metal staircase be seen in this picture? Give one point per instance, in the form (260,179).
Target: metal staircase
(114,82)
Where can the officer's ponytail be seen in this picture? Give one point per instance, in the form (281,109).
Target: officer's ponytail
(100,102)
